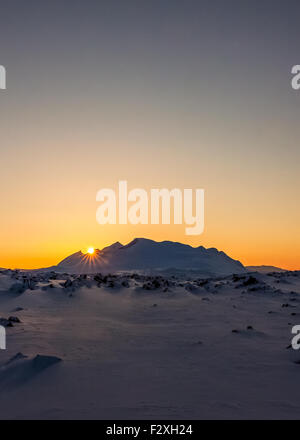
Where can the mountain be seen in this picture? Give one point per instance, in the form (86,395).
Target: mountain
(147,255)
(264,269)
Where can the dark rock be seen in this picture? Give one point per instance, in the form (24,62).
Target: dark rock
(5,322)
(14,319)
(40,362)
(67,284)
(16,357)
(18,309)
(156,284)
(125,284)
(250,281)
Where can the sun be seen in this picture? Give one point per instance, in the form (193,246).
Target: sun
(90,250)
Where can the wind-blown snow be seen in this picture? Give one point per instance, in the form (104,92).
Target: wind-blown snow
(136,346)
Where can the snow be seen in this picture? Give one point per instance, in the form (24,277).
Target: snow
(132,346)
(264,269)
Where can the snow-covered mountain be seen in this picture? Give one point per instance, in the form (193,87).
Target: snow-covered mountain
(264,269)
(148,255)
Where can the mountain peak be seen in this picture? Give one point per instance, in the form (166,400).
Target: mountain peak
(114,246)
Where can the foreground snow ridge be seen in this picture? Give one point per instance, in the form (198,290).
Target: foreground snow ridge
(132,345)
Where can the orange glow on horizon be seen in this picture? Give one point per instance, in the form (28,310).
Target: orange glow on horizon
(49,230)
(252,249)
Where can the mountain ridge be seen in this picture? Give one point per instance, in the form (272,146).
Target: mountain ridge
(144,254)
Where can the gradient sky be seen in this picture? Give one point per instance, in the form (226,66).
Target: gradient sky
(161,93)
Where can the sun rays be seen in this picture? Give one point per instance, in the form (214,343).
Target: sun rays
(91,259)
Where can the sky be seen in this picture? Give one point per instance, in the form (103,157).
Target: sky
(192,94)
